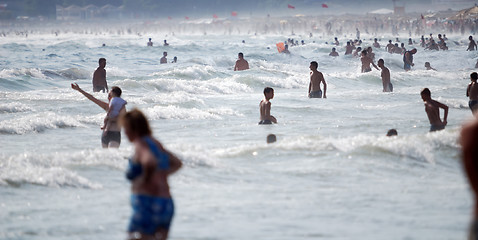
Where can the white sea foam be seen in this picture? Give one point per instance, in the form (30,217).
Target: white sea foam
(37,123)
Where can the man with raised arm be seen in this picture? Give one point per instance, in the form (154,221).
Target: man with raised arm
(111,137)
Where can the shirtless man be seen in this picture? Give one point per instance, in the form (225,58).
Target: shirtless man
(472,93)
(357,52)
(432,108)
(366,61)
(111,137)
(370,54)
(99,77)
(349,49)
(408,59)
(376,44)
(334,53)
(468,140)
(390,46)
(164,60)
(241,63)
(150,44)
(166,43)
(316,78)
(265,107)
(336,41)
(387,85)
(472,46)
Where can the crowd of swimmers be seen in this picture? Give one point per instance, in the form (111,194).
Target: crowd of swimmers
(149,167)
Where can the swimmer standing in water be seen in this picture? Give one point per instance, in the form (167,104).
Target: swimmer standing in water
(265,107)
(241,63)
(387,85)
(472,93)
(366,61)
(472,46)
(432,108)
(164,60)
(99,77)
(408,59)
(316,78)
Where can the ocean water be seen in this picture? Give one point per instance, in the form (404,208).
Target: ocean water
(332,174)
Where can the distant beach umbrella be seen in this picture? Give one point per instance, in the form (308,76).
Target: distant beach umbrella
(325,5)
(214,16)
(290,6)
(234,13)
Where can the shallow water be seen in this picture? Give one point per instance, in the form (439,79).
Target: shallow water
(331,174)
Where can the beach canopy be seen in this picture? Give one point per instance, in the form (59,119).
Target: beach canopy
(469,13)
(382,11)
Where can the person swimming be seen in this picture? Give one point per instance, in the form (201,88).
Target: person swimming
(392,132)
(271,138)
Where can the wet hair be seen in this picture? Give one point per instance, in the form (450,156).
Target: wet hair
(380,60)
(268,90)
(271,138)
(359,48)
(392,132)
(165,53)
(427,63)
(333,49)
(116,91)
(470,37)
(474,76)
(364,52)
(136,122)
(375,39)
(102,60)
(149,39)
(315,64)
(426,92)
(241,55)
(390,41)
(348,43)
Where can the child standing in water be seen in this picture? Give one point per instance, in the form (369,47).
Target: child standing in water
(265,107)
(115,106)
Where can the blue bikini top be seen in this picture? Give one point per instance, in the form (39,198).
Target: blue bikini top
(162,158)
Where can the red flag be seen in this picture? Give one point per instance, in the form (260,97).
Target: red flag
(170,18)
(214,16)
(234,13)
(325,5)
(290,6)
(187,18)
